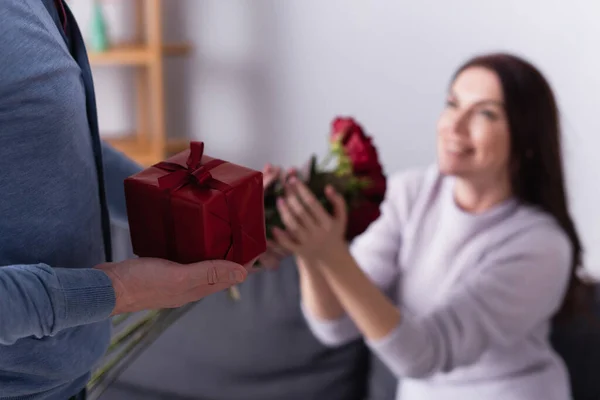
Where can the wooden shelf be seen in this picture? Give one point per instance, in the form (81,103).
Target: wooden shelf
(177,49)
(122,55)
(174,146)
(135,54)
(143,154)
(149,143)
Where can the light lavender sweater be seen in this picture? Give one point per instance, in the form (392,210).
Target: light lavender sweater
(476,292)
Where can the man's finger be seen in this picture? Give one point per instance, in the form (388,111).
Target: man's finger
(204,291)
(215,271)
(227,274)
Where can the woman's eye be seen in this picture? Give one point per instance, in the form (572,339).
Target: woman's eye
(451,103)
(489,114)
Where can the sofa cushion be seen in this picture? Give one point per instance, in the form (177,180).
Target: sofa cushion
(578,343)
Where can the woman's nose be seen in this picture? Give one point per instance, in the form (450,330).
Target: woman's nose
(460,122)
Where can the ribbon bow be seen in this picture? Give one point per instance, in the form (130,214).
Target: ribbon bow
(195,173)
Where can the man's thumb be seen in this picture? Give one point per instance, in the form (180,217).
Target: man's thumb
(222,271)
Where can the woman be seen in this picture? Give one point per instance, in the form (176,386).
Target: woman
(480,250)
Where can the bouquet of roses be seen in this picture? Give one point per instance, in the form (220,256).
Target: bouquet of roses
(352,167)
(356,174)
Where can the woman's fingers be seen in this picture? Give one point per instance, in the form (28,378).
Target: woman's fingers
(303,214)
(339,205)
(285,240)
(310,202)
(274,248)
(270,174)
(291,222)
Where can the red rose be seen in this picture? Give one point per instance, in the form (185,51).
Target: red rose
(365,165)
(362,154)
(360,217)
(342,125)
(377,186)
(357,145)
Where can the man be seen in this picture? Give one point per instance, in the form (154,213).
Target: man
(58,182)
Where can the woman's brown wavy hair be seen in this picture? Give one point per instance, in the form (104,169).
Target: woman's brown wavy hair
(536,165)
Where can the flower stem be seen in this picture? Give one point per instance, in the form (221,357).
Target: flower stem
(131,330)
(326,161)
(116,321)
(140,337)
(234,293)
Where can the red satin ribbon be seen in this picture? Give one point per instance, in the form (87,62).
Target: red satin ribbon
(196,174)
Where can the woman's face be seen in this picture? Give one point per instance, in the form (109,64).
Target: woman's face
(473,134)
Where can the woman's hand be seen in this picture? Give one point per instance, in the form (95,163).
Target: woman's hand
(275,253)
(331,280)
(311,232)
(271,258)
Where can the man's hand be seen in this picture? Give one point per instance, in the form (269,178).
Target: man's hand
(151,283)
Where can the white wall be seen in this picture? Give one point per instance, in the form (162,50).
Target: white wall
(267,76)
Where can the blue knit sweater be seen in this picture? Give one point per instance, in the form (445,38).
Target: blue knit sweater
(55,189)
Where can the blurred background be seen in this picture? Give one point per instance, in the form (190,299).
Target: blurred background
(261,80)
(264,78)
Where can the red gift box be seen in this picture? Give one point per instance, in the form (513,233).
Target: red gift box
(192,207)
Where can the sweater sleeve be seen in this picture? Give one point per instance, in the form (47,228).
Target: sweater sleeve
(376,252)
(518,287)
(39,301)
(117,167)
